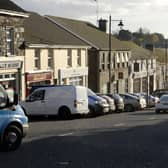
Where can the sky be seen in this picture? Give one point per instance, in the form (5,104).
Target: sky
(149,14)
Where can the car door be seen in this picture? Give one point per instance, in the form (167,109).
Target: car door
(35,104)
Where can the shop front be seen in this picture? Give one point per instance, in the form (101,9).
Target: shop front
(37,78)
(73,76)
(10,75)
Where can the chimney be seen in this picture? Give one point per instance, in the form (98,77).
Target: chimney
(103,25)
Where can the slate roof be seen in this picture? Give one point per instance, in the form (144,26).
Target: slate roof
(89,32)
(10,6)
(138,52)
(38,30)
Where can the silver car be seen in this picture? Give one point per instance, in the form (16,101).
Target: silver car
(110,101)
(162,105)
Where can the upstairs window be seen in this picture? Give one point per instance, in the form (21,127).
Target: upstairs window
(50,58)
(79,57)
(69,57)
(37,59)
(136,67)
(9,41)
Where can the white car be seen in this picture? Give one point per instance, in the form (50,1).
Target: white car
(162,104)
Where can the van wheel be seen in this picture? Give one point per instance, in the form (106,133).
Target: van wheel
(64,113)
(12,138)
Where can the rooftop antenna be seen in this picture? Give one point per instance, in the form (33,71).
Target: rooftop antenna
(97,10)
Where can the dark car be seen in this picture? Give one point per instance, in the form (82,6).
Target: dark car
(118,100)
(159,92)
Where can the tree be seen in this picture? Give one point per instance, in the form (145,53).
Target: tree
(125,35)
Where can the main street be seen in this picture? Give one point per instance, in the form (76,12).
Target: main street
(124,140)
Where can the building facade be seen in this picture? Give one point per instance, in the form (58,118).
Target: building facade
(11,38)
(53,58)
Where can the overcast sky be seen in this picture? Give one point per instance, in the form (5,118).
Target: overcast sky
(150,14)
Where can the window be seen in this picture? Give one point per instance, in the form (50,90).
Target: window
(120,75)
(9,41)
(126,86)
(37,59)
(103,61)
(79,57)
(37,95)
(50,58)
(136,67)
(69,57)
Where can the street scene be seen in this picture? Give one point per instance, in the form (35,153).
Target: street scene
(134,139)
(83,84)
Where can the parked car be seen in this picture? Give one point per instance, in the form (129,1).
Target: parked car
(132,103)
(62,100)
(162,105)
(97,104)
(118,100)
(109,100)
(159,92)
(150,100)
(141,98)
(13,122)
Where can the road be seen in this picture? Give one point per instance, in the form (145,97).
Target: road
(125,140)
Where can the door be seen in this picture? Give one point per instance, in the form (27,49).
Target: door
(35,103)
(82,99)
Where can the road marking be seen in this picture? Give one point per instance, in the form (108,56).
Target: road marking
(119,125)
(152,118)
(67,134)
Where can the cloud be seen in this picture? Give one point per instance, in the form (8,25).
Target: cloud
(135,13)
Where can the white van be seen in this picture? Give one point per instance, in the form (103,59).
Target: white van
(62,100)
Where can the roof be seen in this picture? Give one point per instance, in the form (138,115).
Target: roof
(160,54)
(10,6)
(137,51)
(88,32)
(38,30)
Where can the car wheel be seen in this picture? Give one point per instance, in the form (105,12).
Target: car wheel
(12,138)
(64,113)
(129,108)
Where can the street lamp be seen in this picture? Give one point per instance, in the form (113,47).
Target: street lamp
(110,48)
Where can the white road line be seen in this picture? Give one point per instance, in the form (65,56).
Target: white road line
(67,134)
(119,125)
(152,118)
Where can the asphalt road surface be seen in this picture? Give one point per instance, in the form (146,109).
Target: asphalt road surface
(125,140)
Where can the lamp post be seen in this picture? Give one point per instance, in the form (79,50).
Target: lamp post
(110,48)
(166,66)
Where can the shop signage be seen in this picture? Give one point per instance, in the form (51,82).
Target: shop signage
(74,72)
(10,65)
(39,76)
